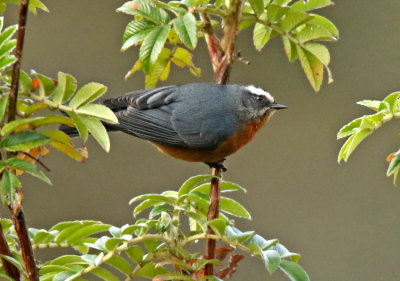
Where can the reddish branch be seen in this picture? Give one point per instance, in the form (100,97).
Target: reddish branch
(222,54)
(16,205)
(10,269)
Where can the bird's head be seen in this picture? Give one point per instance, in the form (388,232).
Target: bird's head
(257,103)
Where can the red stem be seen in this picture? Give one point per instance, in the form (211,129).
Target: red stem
(16,205)
(221,55)
(10,269)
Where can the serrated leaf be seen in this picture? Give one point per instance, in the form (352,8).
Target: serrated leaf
(7,48)
(314,33)
(261,34)
(372,104)
(152,46)
(24,140)
(80,125)
(257,6)
(157,69)
(290,48)
(144,9)
(3,106)
(294,271)
(135,253)
(104,274)
(312,66)
(310,5)
(186,28)
(7,33)
(135,32)
(120,264)
(191,183)
(232,207)
(155,197)
(392,101)
(351,143)
(98,131)
(272,260)
(87,94)
(99,111)
(350,128)
(62,142)
(65,88)
(276,12)
(26,166)
(46,84)
(293,19)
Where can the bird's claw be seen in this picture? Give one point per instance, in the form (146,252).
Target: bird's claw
(217,165)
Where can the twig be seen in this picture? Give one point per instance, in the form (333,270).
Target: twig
(213,213)
(37,160)
(10,269)
(23,14)
(16,205)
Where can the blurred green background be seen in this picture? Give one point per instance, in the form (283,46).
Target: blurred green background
(343,219)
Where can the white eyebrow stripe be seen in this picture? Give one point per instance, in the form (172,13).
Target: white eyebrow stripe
(260,92)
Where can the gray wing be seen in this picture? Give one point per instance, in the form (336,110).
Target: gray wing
(159,115)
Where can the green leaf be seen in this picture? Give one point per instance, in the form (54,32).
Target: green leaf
(312,66)
(276,12)
(372,104)
(80,126)
(232,207)
(96,128)
(191,183)
(350,128)
(310,5)
(218,226)
(151,245)
(150,270)
(7,33)
(144,9)
(351,143)
(261,34)
(104,274)
(65,88)
(294,271)
(187,30)
(155,197)
(4,62)
(3,105)
(257,6)
(7,48)
(158,68)
(46,85)
(14,261)
(323,22)
(182,57)
(30,168)
(25,81)
(392,101)
(9,182)
(290,48)
(99,111)
(145,205)
(135,32)
(135,253)
(295,18)
(394,166)
(226,186)
(24,140)
(62,142)
(272,260)
(35,4)
(152,46)
(120,264)
(87,94)
(314,33)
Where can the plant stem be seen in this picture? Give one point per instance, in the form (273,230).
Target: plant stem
(16,205)
(10,269)
(221,53)
(23,14)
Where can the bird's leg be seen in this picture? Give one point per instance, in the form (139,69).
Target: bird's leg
(218,165)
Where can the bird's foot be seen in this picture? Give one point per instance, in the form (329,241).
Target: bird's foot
(217,165)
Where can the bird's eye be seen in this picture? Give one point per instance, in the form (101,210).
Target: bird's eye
(259,98)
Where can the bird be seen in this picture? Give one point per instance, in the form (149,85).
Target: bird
(196,122)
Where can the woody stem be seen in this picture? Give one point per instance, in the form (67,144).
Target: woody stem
(221,54)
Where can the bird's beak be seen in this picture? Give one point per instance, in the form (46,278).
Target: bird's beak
(275,105)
